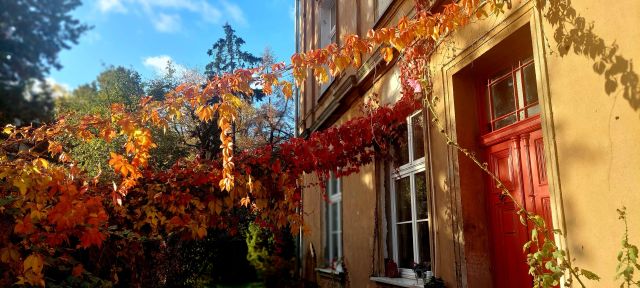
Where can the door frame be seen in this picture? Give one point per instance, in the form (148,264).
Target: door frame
(509,23)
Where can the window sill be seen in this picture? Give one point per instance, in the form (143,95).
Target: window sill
(329,271)
(399,282)
(331,274)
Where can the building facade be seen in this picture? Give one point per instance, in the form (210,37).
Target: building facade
(545,93)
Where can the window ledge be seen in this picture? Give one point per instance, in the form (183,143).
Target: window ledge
(329,271)
(400,282)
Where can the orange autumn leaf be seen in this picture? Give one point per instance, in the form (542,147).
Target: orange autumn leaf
(245,201)
(205,113)
(388,54)
(287,89)
(24,226)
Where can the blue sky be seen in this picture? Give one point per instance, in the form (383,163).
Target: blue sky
(144,34)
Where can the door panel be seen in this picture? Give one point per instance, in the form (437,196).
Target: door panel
(519,161)
(541,201)
(507,234)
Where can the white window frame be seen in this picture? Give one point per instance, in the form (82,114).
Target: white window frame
(410,169)
(334,197)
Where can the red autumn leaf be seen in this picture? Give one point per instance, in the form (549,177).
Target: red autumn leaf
(91,236)
(77,270)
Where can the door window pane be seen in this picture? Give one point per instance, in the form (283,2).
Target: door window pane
(417,123)
(505,121)
(405,245)
(502,97)
(403,199)
(530,89)
(512,97)
(421,196)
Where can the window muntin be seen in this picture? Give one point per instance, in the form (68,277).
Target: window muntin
(333,223)
(409,209)
(512,96)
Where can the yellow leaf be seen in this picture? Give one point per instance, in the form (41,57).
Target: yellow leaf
(388,54)
(245,201)
(230,98)
(357,60)
(8,129)
(21,185)
(9,254)
(34,263)
(287,89)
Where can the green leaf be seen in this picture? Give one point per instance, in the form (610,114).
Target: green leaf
(7,200)
(589,275)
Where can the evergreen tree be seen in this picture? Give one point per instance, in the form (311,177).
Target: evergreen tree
(32,33)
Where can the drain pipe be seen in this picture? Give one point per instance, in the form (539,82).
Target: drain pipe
(296,32)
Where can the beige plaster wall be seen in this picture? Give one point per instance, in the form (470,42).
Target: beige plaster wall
(597,135)
(591,135)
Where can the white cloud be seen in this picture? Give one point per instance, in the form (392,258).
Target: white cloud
(159,65)
(92,36)
(58,89)
(167,23)
(111,6)
(235,12)
(164,13)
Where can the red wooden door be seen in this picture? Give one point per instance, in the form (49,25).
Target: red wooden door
(519,162)
(536,187)
(508,235)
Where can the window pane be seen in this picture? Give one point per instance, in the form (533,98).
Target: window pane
(405,245)
(382,6)
(334,186)
(533,110)
(402,148)
(530,89)
(335,237)
(422,207)
(505,121)
(403,199)
(423,242)
(333,209)
(332,11)
(502,97)
(418,138)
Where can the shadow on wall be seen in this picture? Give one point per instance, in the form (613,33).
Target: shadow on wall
(574,33)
